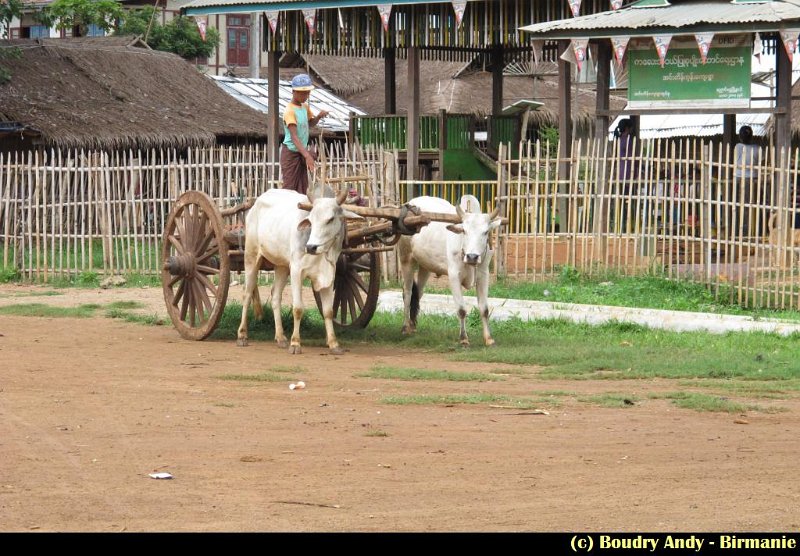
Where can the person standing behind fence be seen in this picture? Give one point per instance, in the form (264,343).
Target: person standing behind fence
(747,157)
(296,160)
(628,165)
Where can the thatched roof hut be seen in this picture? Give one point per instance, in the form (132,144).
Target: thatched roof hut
(114,93)
(451,86)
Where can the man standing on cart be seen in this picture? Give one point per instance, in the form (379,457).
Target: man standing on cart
(296,160)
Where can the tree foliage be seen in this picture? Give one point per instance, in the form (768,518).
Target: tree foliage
(180,35)
(9,9)
(68,14)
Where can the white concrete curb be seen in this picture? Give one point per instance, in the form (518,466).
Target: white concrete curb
(502,309)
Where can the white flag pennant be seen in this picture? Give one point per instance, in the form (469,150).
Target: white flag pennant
(386,11)
(576,7)
(758,47)
(704,44)
(662,45)
(619,44)
(789,38)
(616,4)
(538,46)
(311,17)
(579,47)
(272,19)
(202,24)
(459,7)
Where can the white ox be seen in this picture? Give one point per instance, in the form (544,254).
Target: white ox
(299,244)
(460,251)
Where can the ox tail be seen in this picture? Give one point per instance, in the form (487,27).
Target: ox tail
(414,303)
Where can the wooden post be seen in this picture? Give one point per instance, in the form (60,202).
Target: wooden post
(273,112)
(497,79)
(255,44)
(601,138)
(351,130)
(783,116)
(502,202)
(729,131)
(389,79)
(442,121)
(564,129)
(412,129)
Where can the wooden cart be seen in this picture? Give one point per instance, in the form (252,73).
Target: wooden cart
(201,247)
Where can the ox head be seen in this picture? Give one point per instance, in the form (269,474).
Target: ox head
(476,227)
(325,223)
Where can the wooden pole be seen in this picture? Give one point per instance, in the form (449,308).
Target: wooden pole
(273,112)
(389,79)
(412,129)
(497,79)
(564,126)
(601,136)
(255,45)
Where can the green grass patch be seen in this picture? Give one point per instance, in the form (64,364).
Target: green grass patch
(125,305)
(261,377)
(376,433)
(565,349)
(42,310)
(610,400)
(224,404)
(773,389)
(705,402)
(400,373)
(43,293)
(458,399)
(148,320)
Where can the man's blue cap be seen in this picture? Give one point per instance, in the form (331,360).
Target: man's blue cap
(302,82)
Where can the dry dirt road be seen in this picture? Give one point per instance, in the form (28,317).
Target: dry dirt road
(90,407)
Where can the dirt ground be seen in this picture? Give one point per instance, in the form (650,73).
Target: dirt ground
(90,407)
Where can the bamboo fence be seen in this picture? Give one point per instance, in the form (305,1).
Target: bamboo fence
(688,210)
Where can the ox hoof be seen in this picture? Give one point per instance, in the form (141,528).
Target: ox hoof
(338,350)
(282,343)
(241,342)
(490,343)
(295,350)
(464,343)
(407,331)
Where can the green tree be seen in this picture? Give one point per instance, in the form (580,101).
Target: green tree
(68,14)
(9,9)
(179,36)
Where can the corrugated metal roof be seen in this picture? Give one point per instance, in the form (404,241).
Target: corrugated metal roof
(769,15)
(254,93)
(281,5)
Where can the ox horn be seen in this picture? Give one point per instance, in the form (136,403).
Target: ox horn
(341,196)
(460,212)
(495,212)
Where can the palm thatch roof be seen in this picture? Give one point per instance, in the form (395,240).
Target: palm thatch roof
(445,85)
(115,93)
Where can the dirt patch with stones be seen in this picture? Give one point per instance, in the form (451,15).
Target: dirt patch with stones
(89,408)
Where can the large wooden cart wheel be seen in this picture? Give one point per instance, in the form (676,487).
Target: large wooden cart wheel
(355,289)
(195,265)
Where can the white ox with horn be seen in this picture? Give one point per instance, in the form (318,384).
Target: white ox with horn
(300,244)
(460,251)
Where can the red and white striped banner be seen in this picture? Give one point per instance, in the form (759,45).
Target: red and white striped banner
(575,6)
